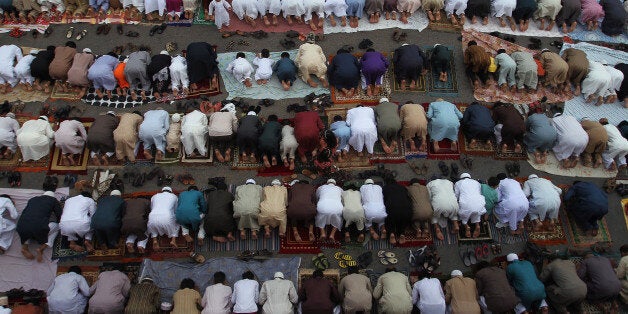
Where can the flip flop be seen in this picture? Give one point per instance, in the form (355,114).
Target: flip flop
(342,264)
(392,260)
(347,257)
(70,32)
(381,254)
(390,255)
(384,261)
(338,255)
(464,256)
(472,258)
(81,35)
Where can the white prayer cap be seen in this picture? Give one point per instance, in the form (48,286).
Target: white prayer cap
(49,193)
(111,112)
(436,45)
(276,182)
(146,278)
(604,62)
(456,272)
(584,118)
(4,301)
(368,181)
(532,176)
(250,181)
(163,52)
(34,51)
(166,189)
(176,117)
(116,193)
(544,50)
(512,257)
(11,115)
(383,99)
(294,182)
(43,118)
(278,275)
(251,113)
(87,50)
(465,175)
(331,181)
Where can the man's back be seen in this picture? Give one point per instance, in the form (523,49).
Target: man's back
(356,292)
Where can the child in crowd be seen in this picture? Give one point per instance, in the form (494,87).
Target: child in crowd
(241,69)
(286,70)
(219,12)
(118,73)
(173,138)
(288,144)
(264,67)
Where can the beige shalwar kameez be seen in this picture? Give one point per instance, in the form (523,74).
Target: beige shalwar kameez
(125,135)
(273,208)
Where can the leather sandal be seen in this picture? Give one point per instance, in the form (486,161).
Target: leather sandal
(70,32)
(82,34)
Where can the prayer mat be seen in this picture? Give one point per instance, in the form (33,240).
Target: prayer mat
(444,25)
(274,171)
(546,237)
(582,34)
(332,274)
(577,237)
(199,159)
(552,166)
(58,94)
(360,96)
(171,157)
(90,272)
(434,85)
(502,235)
(412,240)
(354,162)
(289,245)
(166,251)
(579,108)
(40,165)
(261,243)
(510,154)
(20,94)
(624,206)
(413,154)
(449,237)
(61,250)
(376,246)
(116,101)
(445,150)
(494,26)
(205,88)
(591,307)
(7,27)
(235,24)
(199,17)
(57,166)
(417,21)
(238,164)
(139,156)
(491,92)
(420,84)
(330,243)
(397,156)
(107,254)
(480,150)
(113,163)
(485,233)
(9,164)
(131,269)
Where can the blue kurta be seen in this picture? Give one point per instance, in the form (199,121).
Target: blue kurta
(191,205)
(444,121)
(355,8)
(540,133)
(477,122)
(587,203)
(528,287)
(342,132)
(286,70)
(101,72)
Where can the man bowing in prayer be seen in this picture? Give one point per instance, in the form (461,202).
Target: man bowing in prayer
(471,203)
(344,72)
(8,138)
(107,220)
(572,140)
(512,206)
(153,132)
(11,55)
(363,129)
(409,63)
(544,201)
(388,124)
(125,135)
(445,205)
(191,209)
(444,123)
(587,203)
(35,138)
(413,125)
(76,221)
(273,208)
(374,208)
(329,208)
(311,60)
(70,138)
(194,132)
(161,220)
(100,140)
(246,207)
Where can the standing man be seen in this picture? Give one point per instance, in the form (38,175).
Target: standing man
(393,292)
(153,131)
(107,220)
(278,295)
(356,292)
(246,207)
(191,209)
(76,221)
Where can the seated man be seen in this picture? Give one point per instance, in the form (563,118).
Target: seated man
(470,203)
(555,70)
(136,72)
(162,220)
(398,209)
(241,69)
(248,135)
(540,136)
(601,280)
(565,290)
(301,209)
(246,207)
(219,222)
(512,206)
(152,132)
(614,17)
(38,221)
(353,213)
(202,64)
(587,203)
(311,60)
(393,292)
(440,60)
(343,133)
(422,211)
(578,64)
(70,138)
(361,120)
(273,208)
(11,55)
(194,132)
(307,126)
(107,220)
(445,205)
(134,224)
(527,70)
(329,208)
(286,70)
(109,292)
(571,141)
(388,124)
(191,208)
(374,208)
(35,139)
(76,221)
(413,125)
(444,123)
(509,127)
(409,62)
(100,73)
(344,72)
(77,74)
(61,64)
(596,84)
(69,292)
(125,135)
(476,61)
(158,71)
(8,138)
(373,66)
(478,125)
(596,146)
(222,125)
(507,70)
(529,288)
(269,141)
(494,291)
(617,148)
(544,201)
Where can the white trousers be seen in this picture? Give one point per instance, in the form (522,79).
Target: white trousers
(76,229)
(131,238)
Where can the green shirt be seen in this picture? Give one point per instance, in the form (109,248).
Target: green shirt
(490,196)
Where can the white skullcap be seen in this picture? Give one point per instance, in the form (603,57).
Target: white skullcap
(544,50)
(278,275)
(532,176)
(456,272)
(164,52)
(250,181)
(584,118)
(4,301)
(251,113)
(87,50)
(512,257)
(368,181)
(294,182)
(116,193)
(111,113)
(146,278)
(276,182)
(34,51)
(465,175)
(11,115)
(331,181)
(436,45)
(43,118)
(176,117)
(383,99)
(166,188)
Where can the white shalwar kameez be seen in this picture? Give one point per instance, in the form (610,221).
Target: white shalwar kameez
(244,7)
(597,82)
(572,138)
(443,200)
(8,219)
(373,204)
(241,69)
(8,130)
(220,12)
(70,137)
(194,132)
(312,7)
(363,128)
(617,77)
(68,294)
(155,5)
(616,148)
(499,8)
(512,205)
(34,139)
(353,211)
(9,56)
(161,220)
(138,4)
(471,202)
(154,128)
(455,6)
(544,198)
(336,7)
(76,218)
(179,73)
(23,70)
(292,7)
(269,6)
(329,206)
(428,296)
(264,68)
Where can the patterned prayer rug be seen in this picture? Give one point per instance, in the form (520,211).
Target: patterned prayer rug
(275,171)
(111,17)
(171,157)
(235,24)
(485,234)
(9,164)
(413,154)
(360,96)
(20,94)
(553,236)
(420,84)
(205,88)
(510,154)
(131,269)
(116,101)
(397,156)
(552,166)
(449,238)
(42,164)
(577,236)
(338,109)
(199,159)
(90,272)
(434,85)
(199,17)
(58,94)
(107,254)
(57,166)
(444,25)
(61,250)
(445,150)
(248,244)
(167,251)
(238,164)
(289,245)
(502,235)
(332,274)
(481,149)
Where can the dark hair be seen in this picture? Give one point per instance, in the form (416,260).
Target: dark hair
(187,283)
(370,50)
(472,43)
(501,176)
(493,181)
(50,184)
(286,122)
(317,273)
(498,104)
(623,248)
(603,121)
(342,50)
(285,55)
(51,48)
(86,194)
(272,117)
(248,275)
(240,55)
(409,102)
(352,269)
(111,53)
(414,180)
(76,119)
(265,53)
(219,277)
(144,48)
(193,187)
(479,266)
(324,155)
(121,58)
(137,112)
(70,44)
(6,196)
(337,118)
(391,268)
(501,51)
(75,269)
(221,186)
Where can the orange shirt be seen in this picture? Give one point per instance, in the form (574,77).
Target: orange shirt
(118,73)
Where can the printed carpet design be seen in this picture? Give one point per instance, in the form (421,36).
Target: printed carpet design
(553,236)
(57,167)
(289,245)
(116,101)
(434,86)
(20,94)
(10,164)
(445,150)
(577,237)
(360,96)
(199,17)
(494,26)
(111,17)
(502,235)
(582,34)
(421,86)
(274,171)
(58,94)
(199,159)
(463,144)
(449,237)
(397,156)
(444,25)
(171,157)
(166,251)
(248,244)
(91,272)
(410,154)
(238,164)
(552,166)
(485,234)
(417,21)
(510,154)
(42,164)
(205,88)
(62,252)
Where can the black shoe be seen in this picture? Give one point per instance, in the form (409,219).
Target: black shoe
(509,170)
(443,168)
(161,28)
(18,179)
(11,179)
(515,168)
(48,31)
(119,29)
(153,30)
(454,170)
(66,180)
(153,173)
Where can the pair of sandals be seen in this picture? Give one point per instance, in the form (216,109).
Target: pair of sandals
(159,29)
(512,169)
(399,36)
(70,179)
(471,256)
(419,169)
(288,43)
(186,179)
(345,260)
(132,34)
(466,161)
(15,179)
(320,261)
(103,29)
(445,170)
(197,257)
(387,258)
(70,33)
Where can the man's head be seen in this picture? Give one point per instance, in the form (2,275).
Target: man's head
(193,188)
(623,250)
(187,283)
(337,118)
(285,55)
(278,275)
(219,277)
(265,53)
(248,275)
(240,55)
(75,269)
(115,193)
(472,43)
(352,269)
(272,117)
(456,273)
(391,268)
(70,44)
(50,48)
(414,180)
(221,186)
(493,182)
(603,121)
(501,176)
(318,273)
(512,257)
(501,51)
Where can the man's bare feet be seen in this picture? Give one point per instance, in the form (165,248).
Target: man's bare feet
(173,242)
(254,234)
(188,238)
(27,253)
(89,246)
(392,239)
